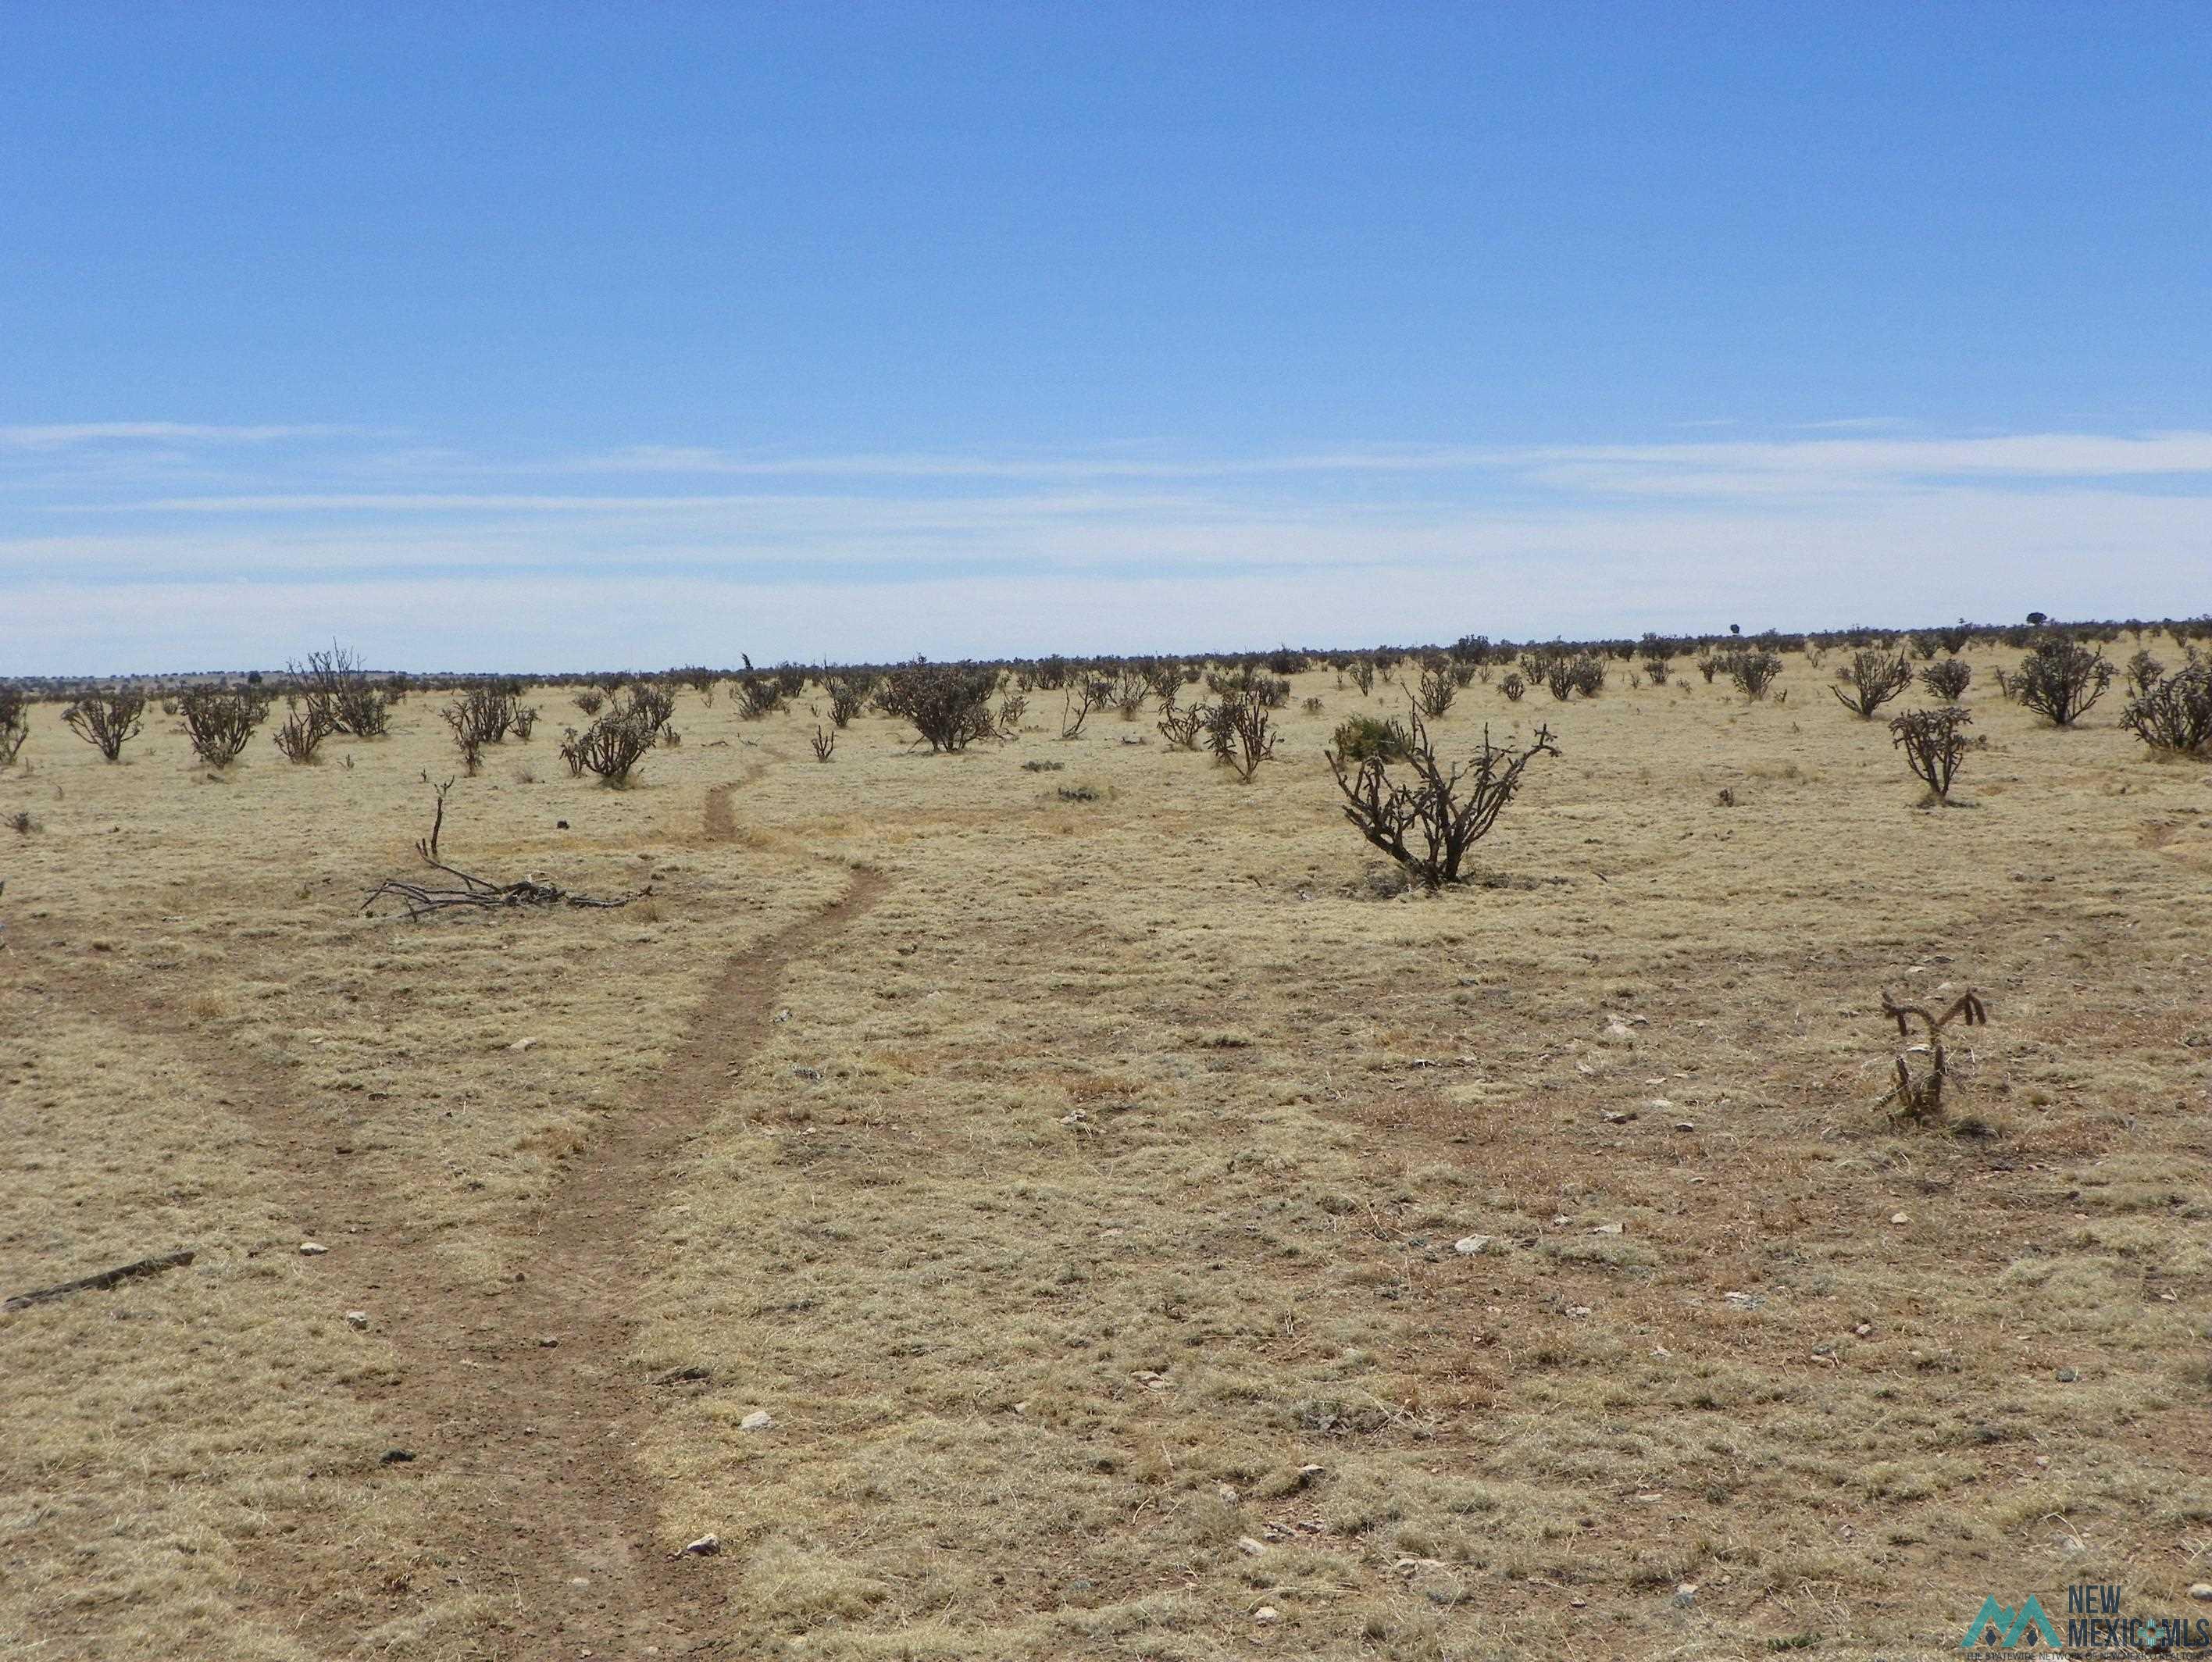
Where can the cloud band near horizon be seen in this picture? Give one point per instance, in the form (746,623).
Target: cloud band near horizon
(151,546)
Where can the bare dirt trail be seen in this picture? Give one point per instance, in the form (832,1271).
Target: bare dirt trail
(541,1510)
(544,1433)
(720,825)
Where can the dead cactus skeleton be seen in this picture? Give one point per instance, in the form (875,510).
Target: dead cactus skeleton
(1918,1092)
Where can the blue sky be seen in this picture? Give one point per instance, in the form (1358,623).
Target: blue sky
(628,334)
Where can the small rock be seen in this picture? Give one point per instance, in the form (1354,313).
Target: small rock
(1267,1613)
(781,1016)
(1578,1309)
(1246,1544)
(357,1320)
(1606,1229)
(2067,1376)
(1863,1329)
(547,1341)
(1617,1117)
(1901,1217)
(700,1548)
(759,1420)
(522,1044)
(2043,1459)
(2200,1590)
(1469,1246)
(396,1457)
(312,1249)
(1685,1595)
(1618,1032)
(1685,1124)
(560,825)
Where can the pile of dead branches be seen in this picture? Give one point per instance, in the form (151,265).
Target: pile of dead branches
(422,899)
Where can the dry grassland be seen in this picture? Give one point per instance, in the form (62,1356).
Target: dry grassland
(1076,1184)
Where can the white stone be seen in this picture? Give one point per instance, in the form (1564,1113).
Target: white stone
(759,1420)
(312,1249)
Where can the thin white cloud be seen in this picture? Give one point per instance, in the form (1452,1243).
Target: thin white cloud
(1810,462)
(63,436)
(706,460)
(2026,456)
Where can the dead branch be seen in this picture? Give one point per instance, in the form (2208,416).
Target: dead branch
(421,899)
(100,1282)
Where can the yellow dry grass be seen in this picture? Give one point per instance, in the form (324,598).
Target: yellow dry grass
(1088,1225)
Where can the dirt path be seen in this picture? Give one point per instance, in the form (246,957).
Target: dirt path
(720,825)
(541,1509)
(544,1433)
